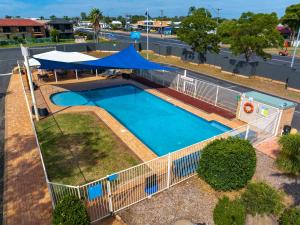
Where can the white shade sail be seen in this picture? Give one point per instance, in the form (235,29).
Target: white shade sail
(60,56)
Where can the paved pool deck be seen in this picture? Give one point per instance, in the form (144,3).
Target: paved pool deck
(26,197)
(140,149)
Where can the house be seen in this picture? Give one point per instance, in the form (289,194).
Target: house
(64,27)
(116,24)
(156,25)
(22,28)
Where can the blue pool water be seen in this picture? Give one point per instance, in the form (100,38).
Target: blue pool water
(161,126)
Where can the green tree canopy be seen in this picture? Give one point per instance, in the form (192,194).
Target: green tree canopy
(95,16)
(83,16)
(198,30)
(53,17)
(292,18)
(136,18)
(54,35)
(252,33)
(224,30)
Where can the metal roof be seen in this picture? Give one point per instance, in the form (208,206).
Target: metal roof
(270,100)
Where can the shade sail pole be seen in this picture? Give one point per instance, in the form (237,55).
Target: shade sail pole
(25,54)
(76,72)
(55,74)
(96,73)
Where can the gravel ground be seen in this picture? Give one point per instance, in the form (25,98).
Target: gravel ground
(266,171)
(194,200)
(188,200)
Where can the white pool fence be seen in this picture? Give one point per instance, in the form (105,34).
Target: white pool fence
(216,95)
(125,188)
(120,190)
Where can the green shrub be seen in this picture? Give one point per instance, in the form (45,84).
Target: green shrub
(227,164)
(229,212)
(70,211)
(288,159)
(260,198)
(290,216)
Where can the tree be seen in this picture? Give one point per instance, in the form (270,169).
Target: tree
(192,9)
(83,16)
(66,17)
(54,35)
(70,211)
(53,17)
(224,30)
(95,16)
(252,33)
(198,30)
(136,18)
(288,159)
(292,19)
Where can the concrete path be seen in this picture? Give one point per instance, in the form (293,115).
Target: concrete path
(26,197)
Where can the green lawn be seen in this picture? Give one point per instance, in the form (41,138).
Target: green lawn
(87,150)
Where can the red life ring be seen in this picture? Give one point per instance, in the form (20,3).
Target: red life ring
(248,107)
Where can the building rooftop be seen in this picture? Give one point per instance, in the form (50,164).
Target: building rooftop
(59,21)
(270,100)
(18,22)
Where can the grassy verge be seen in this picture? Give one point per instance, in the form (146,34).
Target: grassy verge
(61,42)
(275,51)
(87,150)
(253,82)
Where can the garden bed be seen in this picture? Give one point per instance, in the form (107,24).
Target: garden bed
(80,148)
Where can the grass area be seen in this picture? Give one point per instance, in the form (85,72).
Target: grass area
(275,51)
(87,150)
(253,82)
(61,42)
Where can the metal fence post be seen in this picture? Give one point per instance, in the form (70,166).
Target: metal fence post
(169,170)
(216,100)
(108,186)
(247,132)
(78,192)
(195,88)
(177,86)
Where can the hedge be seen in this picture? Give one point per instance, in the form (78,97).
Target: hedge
(260,198)
(229,212)
(70,211)
(227,164)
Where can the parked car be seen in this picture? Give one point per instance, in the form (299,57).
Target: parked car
(283,52)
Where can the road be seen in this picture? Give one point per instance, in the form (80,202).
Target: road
(276,59)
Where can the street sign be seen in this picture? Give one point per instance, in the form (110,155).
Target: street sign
(135,35)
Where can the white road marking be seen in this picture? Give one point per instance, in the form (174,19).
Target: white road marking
(231,86)
(5,74)
(297,112)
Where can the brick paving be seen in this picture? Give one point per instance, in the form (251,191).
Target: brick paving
(26,197)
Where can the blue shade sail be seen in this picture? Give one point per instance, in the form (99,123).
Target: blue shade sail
(128,58)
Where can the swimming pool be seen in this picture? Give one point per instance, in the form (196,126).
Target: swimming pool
(160,125)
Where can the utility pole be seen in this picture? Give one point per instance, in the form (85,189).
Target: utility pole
(147,33)
(295,50)
(218,15)
(161,22)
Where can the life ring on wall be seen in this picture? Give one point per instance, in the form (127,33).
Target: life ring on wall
(248,107)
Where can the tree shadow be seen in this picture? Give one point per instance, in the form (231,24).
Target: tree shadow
(26,190)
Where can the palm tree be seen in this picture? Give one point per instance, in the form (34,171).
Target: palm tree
(95,16)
